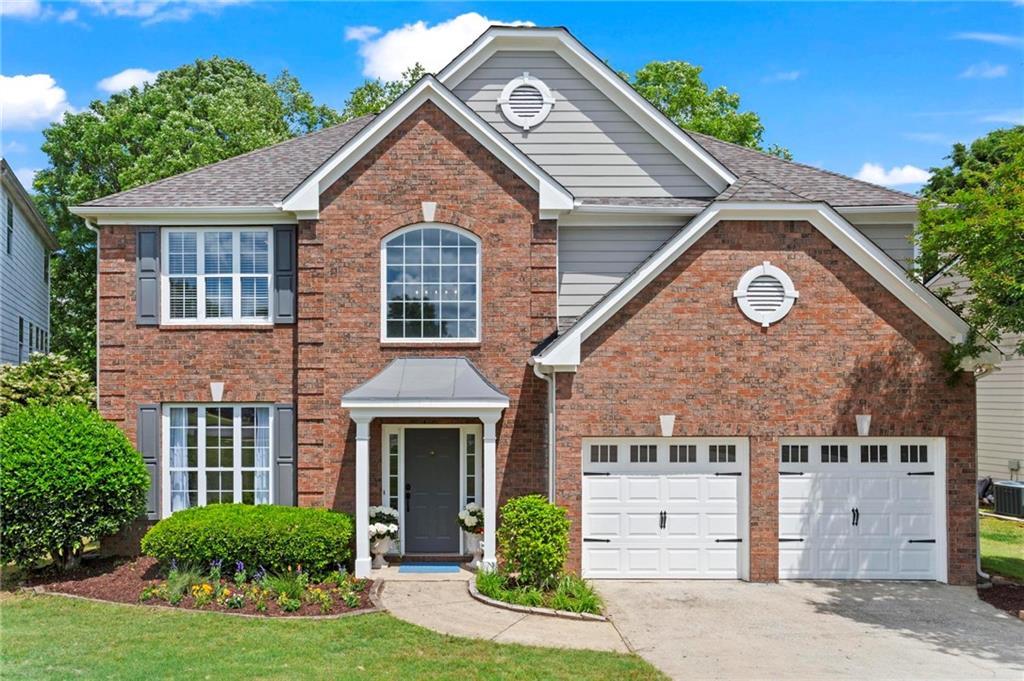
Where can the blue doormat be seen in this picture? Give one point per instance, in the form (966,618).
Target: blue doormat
(428,567)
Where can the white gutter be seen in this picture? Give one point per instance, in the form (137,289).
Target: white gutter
(97,370)
(633,210)
(549,378)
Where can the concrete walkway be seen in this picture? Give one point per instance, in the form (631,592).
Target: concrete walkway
(443,603)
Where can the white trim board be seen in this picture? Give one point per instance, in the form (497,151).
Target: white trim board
(304,200)
(563,43)
(563,354)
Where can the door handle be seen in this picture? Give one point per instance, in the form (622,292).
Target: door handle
(662,520)
(856,517)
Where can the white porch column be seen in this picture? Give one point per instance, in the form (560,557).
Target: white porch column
(490,490)
(362,497)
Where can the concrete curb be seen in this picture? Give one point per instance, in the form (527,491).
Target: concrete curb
(547,612)
(374,598)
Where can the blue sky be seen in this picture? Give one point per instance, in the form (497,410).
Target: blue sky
(879,90)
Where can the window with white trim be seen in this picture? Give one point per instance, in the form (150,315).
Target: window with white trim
(643,453)
(794,453)
(722,453)
(218,275)
(471,492)
(393,470)
(604,453)
(431,285)
(874,454)
(913,453)
(217,454)
(682,453)
(834,454)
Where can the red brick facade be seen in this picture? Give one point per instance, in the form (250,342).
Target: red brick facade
(848,347)
(681,346)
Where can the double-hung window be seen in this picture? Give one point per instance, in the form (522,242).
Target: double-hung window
(216,454)
(430,282)
(217,275)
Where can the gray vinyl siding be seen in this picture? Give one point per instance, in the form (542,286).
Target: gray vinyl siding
(587,142)
(1000,401)
(23,291)
(894,239)
(593,260)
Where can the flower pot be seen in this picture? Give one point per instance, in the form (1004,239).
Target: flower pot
(379,547)
(475,547)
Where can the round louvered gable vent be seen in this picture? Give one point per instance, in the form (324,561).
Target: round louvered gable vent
(765,294)
(526,101)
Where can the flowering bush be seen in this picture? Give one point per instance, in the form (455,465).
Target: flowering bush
(383,522)
(471,519)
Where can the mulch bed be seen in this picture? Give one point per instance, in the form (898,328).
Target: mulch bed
(121,581)
(1008,597)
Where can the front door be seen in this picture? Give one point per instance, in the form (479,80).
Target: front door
(431,490)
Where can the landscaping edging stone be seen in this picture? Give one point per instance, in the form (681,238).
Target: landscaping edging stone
(547,612)
(374,596)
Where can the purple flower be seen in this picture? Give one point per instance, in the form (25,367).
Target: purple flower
(215,564)
(239,566)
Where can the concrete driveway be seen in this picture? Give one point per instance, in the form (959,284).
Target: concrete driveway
(816,630)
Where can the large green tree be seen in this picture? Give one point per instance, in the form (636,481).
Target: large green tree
(189,117)
(972,219)
(373,96)
(677,90)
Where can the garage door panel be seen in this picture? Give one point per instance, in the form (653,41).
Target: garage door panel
(682,489)
(645,489)
(602,560)
(721,562)
(895,503)
(642,525)
(682,562)
(602,490)
(643,561)
(719,525)
(679,525)
(721,488)
(604,525)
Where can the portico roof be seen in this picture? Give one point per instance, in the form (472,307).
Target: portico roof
(427,382)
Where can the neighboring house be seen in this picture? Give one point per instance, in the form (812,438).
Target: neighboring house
(522,278)
(24,273)
(1000,396)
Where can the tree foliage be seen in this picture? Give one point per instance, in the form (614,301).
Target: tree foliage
(533,539)
(373,96)
(66,475)
(677,90)
(188,117)
(44,380)
(973,218)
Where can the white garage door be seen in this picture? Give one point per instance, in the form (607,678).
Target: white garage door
(665,508)
(862,508)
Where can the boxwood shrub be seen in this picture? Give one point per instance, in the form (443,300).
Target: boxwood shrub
(275,537)
(533,539)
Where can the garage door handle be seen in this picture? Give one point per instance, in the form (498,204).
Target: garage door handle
(728,541)
(920,541)
(922,473)
(733,474)
(781,539)
(593,539)
(791,472)
(594,473)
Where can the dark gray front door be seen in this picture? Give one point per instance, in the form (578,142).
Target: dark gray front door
(432,490)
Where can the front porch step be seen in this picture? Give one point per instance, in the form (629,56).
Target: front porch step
(428,558)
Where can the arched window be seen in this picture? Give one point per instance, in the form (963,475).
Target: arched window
(431,284)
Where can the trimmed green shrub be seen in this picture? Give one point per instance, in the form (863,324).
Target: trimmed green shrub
(533,539)
(44,380)
(272,537)
(65,474)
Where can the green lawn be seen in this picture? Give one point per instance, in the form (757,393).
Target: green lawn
(1002,547)
(47,637)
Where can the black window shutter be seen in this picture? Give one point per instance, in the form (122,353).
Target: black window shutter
(147,275)
(147,435)
(284,274)
(284,454)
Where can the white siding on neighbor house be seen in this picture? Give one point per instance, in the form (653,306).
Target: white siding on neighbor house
(23,291)
(587,142)
(1000,401)
(894,239)
(593,259)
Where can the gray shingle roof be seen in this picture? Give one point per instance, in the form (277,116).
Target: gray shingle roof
(264,177)
(812,183)
(258,178)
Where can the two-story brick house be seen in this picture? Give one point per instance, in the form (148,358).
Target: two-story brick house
(521,277)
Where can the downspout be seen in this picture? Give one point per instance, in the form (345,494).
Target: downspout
(96,375)
(550,380)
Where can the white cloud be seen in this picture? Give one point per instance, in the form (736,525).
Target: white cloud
(985,70)
(1011,117)
(25,176)
(991,38)
(127,79)
(434,46)
(24,9)
(897,175)
(14,147)
(26,101)
(782,77)
(70,14)
(157,11)
(360,33)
